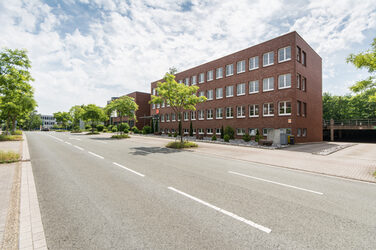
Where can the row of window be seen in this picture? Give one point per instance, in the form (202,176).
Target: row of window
(284,109)
(239,131)
(284,54)
(47,118)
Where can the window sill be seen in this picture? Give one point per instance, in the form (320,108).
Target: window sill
(218,98)
(284,60)
(268,90)
(268,115)
(240,72)
(240,94)
(253,116)
(253,69)
(219,118)
(267,65)
(284,114)
(229,75)
(229,96)
(209,80)
(289,87)
(219,77)
(239,117)
(209,118)
(251,93)
(229,117)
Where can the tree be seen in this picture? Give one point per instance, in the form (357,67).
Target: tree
(75,113)
(62,118)
(179,96)
(16,93)
(33,121)
(124,106)
(93,115)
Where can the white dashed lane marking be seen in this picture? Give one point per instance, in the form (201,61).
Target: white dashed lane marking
(128,169)
(101,157)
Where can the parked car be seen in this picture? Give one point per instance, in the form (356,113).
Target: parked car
(45,129)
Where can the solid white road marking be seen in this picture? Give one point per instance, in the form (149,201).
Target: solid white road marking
(251,223)
(68,143)
(135,172)
(96,155)
(78,147)
(274,182)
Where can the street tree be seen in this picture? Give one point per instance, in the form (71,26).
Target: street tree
(16,92)
(33,121)
(179,96)
(75,113)
(93,114)
(62,118)
(124,106)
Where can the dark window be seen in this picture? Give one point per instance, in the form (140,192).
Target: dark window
(304,109)
(304,83)
(298,107)
(304,58)
(298,79)
(298,54)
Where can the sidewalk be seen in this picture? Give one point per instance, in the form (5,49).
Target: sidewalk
(357,162)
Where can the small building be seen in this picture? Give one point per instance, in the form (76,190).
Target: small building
(48,121)
(142,114)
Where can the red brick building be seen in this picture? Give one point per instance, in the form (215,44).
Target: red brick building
(142,114)
(275,85)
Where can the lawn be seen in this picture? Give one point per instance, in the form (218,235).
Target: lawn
(8,157)
(178,144)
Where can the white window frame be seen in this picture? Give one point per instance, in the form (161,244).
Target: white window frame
(210,94)
(193,115)
(201,115)
(256,85)
(162,118)
(232,112)
(209,131)
(284,54)
(304,132)
(186,116)
(227,92)
(201,93)
(268,109)
(285,80)
(270,83)
(173,117)
(180,81)
(219,73)
(209,76)
(201,131)
(242,111)
(186,81)
(253,107)
(194,80)
(240,67)
(253,63)
(270,59)
(216,93)
(252,131)
(163,104)
(242,87)
(209,114)
(240,131)
(216,113)
(186,131)
(201,78)
(299,132)
(267,130)
(285,107)
(217,131)
(228,71)
(167,117)
(153,106)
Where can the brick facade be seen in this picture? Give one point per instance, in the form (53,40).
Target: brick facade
(306,127)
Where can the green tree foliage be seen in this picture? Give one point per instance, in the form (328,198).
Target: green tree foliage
(179,96)
(32,121)
(62,118)
(16,93)
(124,106)
(93,114)
(76,113)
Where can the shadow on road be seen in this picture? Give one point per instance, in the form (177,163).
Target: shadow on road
(104,139)
(315,148)
(152,150)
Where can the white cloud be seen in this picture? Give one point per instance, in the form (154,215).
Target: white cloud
(126,46)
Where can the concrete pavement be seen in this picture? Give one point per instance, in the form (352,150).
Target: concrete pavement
(187,199)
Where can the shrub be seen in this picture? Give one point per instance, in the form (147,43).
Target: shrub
(135,130)
(230,132)
(258,136)
(178,144)
(104,130)
(146,129)
(124,126)
(114,129)
(222,132)
(76,131)
(123,136)
(176,134)
(126,131)
(226,138)
(169,135)
(100,127)
(10,137)
(8,157)
(246,137)
(93,133)
(214,138)
(109,127)
(16,132)
(87,127)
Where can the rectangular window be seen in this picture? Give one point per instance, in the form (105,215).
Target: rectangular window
(193,115)
(304,82)
(180,81)
(219,113)
(167,117)
(298,54)
(158,105)
(268,59)
(304,111)
(254,110)
(173,117)
(229,112)
(209,114)
(298,107)
(252,131)
(153,106)
(218,131)
(209,75)
(304,132)
(186,131)
(299,132)
(167,104)
(209,131)
(284,54)
(298,79)
(240,67)
(219,93)
(201,115)
(253,87)
(163,104)
(201,131)
(229,70)
(154,91)
(240,89)
(253,63)
(162,118)
(230,91)
(240,112)
(304,58)
(186,81)
(240,131)
(268,84)
(284,81)
(210,94)
(186,116)
(268,109)
(201,77)
(201,93)
(194,80)
(219,73)
(265,131)
(285,108)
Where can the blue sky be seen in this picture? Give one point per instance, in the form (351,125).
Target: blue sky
(87,51)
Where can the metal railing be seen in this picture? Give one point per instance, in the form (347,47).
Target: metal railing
(354,122)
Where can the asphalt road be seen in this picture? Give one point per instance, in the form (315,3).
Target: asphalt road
(96,193)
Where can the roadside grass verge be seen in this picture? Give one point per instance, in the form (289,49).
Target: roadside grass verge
(76,131)
(374,174)
(92,133)
(178,144)
(8,157)
(17,132)
(10,137)
(123,136)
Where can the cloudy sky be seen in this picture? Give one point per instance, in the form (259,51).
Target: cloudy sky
(86,51)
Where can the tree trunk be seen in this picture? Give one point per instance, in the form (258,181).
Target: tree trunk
(180,127)
(13,124)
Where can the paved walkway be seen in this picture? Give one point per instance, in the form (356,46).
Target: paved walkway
(356,162)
